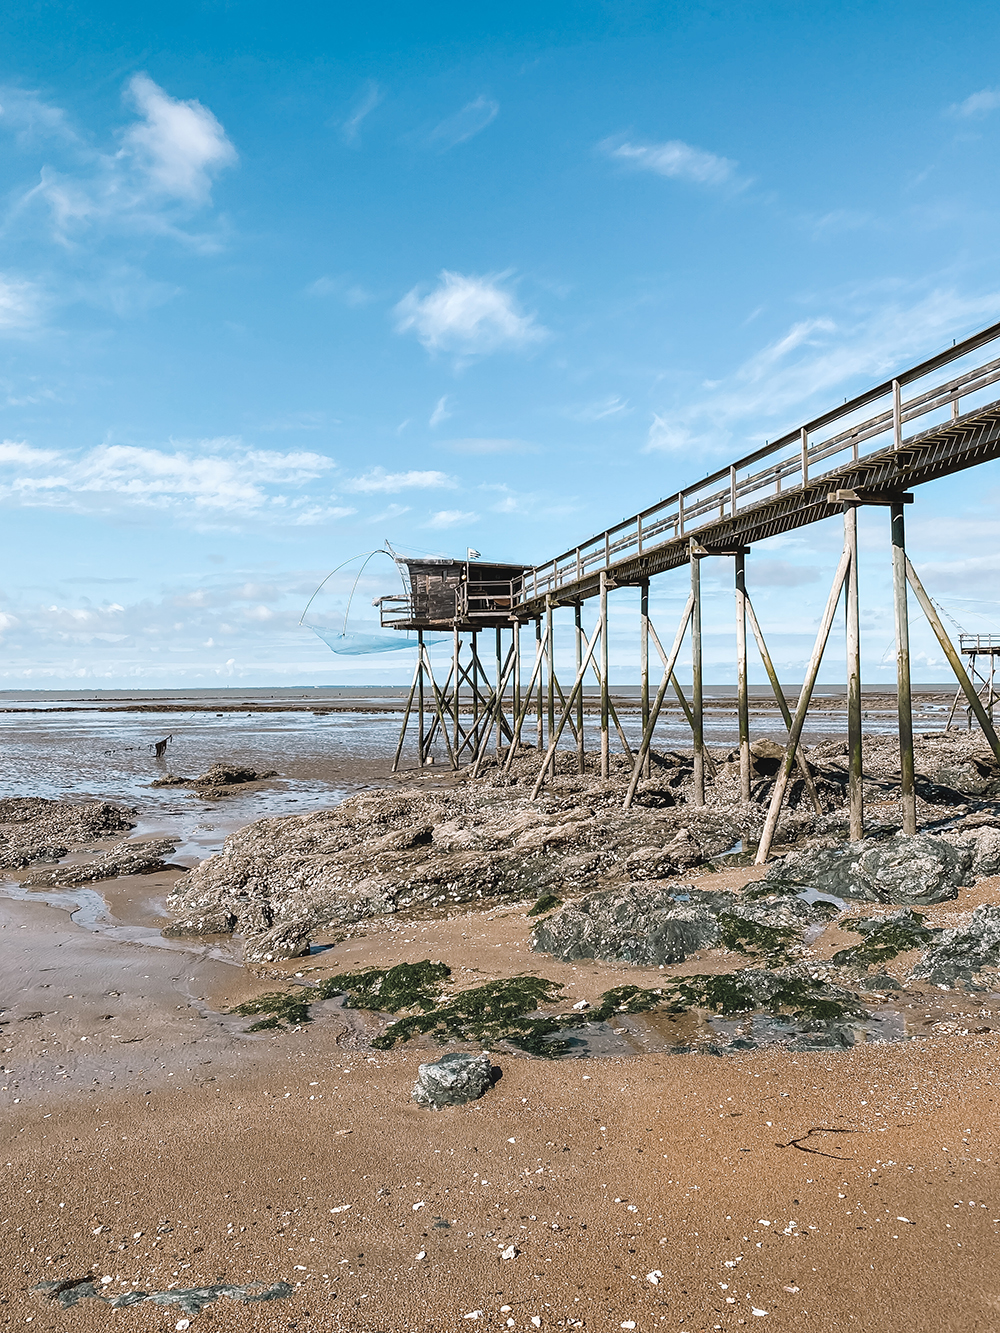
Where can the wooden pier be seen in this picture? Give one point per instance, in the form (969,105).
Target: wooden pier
(874,450)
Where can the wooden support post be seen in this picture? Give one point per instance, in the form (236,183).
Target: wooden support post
(551,663)
(697,701)
(581,764)
(549,760)
(528,698)
(539,721)
(644,660)
(406,717)
(516,701)
(904,707)
(742,686)
(439,710)
(475,688)
(668,671)
(455,703)
(965,684)
(493,710)
(605,738)
(798,722)
(420,699)
(854,751)
(897,415)
(779,698)
(499,668)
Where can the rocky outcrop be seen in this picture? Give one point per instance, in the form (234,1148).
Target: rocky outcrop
(217,780)
(417,850)
(290,939)
(33,830)
(911,870)
(124,858)
(652,924)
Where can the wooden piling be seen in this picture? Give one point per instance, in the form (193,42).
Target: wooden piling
(539,720)
(855,758)
(697,700)
(420,700)
(578,638)
(742,686)
(644,660)
(605,714)
(904,706)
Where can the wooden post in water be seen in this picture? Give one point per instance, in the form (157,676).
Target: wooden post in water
(551,664)
(475,691)
(539,722)
(605,712)
(456,656)
(742,687)
(904,706)
(644,662)
(578,637)
(697,701)
(516,713)
(499,670)
(855,789)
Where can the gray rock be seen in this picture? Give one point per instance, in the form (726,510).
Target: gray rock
(963,953)
(982,845)
(911,870)
(34,830)
(290,939)
(454,1079)
(125,858)
(649,924)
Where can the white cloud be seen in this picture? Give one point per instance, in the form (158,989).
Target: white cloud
(440,412)
(365,105)
(977,104)
(378,481)
(20,305)
(466,315)
(162,172)
(32,118)
(224,484)
(178,145)
(674,159)
(450,518)
(464,124)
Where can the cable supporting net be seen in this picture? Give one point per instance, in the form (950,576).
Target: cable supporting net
(355,645)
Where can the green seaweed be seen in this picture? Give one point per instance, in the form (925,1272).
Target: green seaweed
(625,1000)
(545,904)
(388,990)
(495,1011)
(291,1007)
(755,940)
(883,940)
(728,994)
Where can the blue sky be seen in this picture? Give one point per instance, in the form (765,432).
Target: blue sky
(278,285)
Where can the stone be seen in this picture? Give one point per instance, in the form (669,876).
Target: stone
(124,858)
(766,757)
(289,939)
(453,1080)
(913,870)
(34,830)
(964,952)
(983,847)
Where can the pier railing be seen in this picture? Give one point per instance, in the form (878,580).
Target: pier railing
(798,460)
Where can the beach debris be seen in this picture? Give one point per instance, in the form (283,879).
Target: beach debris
(651,925)
(918,869)
(160,747)
(454,1079)
(192,1301)
(803,1146)
(961,954)
(141,857)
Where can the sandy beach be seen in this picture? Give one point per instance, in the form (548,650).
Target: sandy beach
(154,1144)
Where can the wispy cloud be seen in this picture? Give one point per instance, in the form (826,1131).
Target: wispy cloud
(811,363)
(675,159)
(365,105)
(450,518)
(440,412)
(351,293)
(976,105)
(158,177)
(380,482)
(612,406)
(224,483)
(21,306)
(467,314)
(464,124)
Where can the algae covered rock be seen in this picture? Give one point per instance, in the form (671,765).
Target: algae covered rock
(964,952)
(884,938)
(453,1080)
(919,869)
(650,925)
